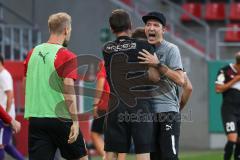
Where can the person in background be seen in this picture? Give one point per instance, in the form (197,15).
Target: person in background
(228,83)
(100,106)
(7,102)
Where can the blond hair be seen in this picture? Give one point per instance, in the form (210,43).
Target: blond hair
(57,22)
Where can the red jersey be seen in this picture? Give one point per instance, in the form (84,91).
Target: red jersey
(62,57)
(103,103)
(4,116)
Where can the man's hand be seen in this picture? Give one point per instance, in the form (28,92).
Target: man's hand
(74,131)
(148,58)
(16,126)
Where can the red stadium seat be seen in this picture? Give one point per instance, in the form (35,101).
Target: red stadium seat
(193,8)
(234,12)
(215,12)
(231,35)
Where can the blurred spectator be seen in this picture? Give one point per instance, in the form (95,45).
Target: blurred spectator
(7,101)
(228,83)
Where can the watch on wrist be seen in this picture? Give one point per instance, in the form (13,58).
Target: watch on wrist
(159,65)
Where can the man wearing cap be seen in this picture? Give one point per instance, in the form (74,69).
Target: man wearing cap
(167,61)
(126,120)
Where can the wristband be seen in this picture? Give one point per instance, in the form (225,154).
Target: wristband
(159,65)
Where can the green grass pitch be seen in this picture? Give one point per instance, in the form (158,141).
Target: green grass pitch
(195,155)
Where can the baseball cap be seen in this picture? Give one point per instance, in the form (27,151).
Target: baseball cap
(155,15)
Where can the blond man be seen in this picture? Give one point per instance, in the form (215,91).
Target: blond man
(49,86)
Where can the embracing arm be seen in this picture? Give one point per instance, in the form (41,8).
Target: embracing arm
(219,88)
(175,75)
(187,92)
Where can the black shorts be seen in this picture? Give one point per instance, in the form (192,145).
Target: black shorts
(167,132)
(125,123)
(231,117)
(98,124)
(45,135)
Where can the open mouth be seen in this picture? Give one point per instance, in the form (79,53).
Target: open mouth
(153,35)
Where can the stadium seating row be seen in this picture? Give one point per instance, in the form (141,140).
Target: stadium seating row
(213,11)
(232,35)
(216,12)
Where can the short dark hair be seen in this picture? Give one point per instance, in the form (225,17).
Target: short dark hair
(119,21)
(1,59)
(139,33)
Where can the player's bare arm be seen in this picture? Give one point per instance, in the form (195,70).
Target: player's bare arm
(9,94)
(99,91)
(223,87)
(187,92)
(70,100)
